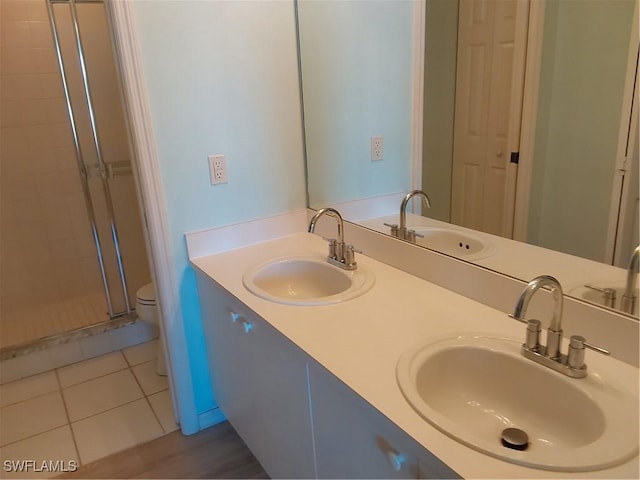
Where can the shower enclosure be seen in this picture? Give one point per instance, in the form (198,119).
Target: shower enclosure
(73,251)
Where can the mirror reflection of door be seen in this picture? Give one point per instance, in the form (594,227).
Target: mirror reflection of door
(474,76)
(473,109)
(489,82)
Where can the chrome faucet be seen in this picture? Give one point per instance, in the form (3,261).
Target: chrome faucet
(554,333)
(550,355)
(628,304)
(340,254)
(401,231)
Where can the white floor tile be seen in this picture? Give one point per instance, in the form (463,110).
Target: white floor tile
(93,368)
(52,446)
(141,353)
(150,381)
(163,408)
(118,429)
(31,417)
(27,388)
(101,394)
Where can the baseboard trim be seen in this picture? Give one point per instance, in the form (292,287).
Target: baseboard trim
(210,418)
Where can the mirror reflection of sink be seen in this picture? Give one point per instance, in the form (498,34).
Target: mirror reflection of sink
(472,388)
(598,297)
(306,280)
(453,242)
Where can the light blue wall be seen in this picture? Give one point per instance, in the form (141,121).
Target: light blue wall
(222,78)
(357,83)
(584,63)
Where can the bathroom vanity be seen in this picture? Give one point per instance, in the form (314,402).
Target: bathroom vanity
(313,388)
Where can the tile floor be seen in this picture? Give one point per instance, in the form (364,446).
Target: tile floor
(85,411)
(58,355)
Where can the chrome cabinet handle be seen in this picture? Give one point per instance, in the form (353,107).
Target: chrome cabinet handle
(248,326)
(397,460)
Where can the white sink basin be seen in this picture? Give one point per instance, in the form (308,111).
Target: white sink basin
(306,280)
(474,387)
(455,243)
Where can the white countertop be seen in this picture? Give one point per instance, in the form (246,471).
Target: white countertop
(360,342)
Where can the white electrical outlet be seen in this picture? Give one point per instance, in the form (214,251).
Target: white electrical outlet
(376,148)
(218,169)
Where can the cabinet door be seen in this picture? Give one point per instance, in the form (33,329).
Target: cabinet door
(228,354)
(284,438)
(354,440)
(260,382)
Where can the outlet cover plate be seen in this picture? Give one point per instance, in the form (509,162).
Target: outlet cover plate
(377,146)
(218,169)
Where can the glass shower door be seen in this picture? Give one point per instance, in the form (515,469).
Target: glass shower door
(102,149)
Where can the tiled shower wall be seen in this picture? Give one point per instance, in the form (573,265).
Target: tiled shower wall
(49,275)
(47,253)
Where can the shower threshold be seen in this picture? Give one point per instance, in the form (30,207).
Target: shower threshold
(13,351)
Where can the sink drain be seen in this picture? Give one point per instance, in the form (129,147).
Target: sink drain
(515,439)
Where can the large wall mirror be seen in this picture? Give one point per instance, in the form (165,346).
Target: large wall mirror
(517,118)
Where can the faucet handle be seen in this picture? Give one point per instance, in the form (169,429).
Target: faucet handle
(521,320)
(393,227)
(352,248)
(533,334)
(596,348)
(349,255)
(411,236)
(575,355)
(333,247)
(608,294)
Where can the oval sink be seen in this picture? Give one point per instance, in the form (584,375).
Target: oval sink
(454,243)
(306,280)
(472,388)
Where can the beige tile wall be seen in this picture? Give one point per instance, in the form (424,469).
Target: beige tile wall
(46,248)
(47,254)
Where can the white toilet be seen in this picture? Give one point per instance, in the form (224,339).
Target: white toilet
(147,310)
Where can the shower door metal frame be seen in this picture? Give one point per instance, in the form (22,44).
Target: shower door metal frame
(102,166)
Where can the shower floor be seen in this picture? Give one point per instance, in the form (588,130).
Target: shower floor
(31,324)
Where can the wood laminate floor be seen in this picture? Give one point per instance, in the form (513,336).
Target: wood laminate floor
(217,452)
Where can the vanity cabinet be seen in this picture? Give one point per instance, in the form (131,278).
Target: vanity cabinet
(354,440)
(298,419)
(260,383)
